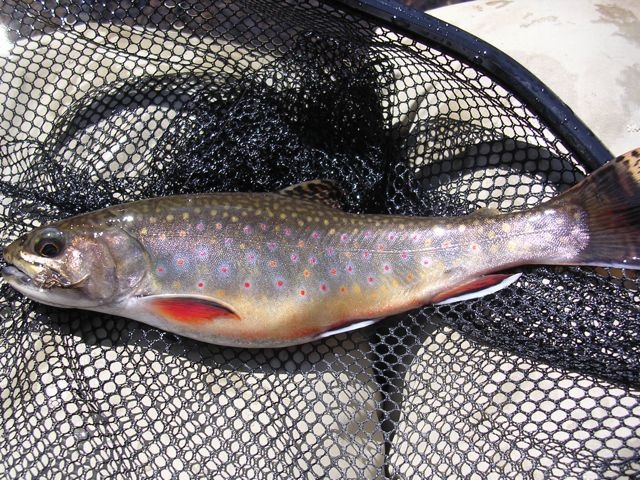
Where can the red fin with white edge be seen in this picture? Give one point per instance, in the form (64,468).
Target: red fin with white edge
(188,310)
(476,288)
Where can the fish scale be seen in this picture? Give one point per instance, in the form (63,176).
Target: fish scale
(275,269)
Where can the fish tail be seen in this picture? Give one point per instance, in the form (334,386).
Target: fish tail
(609,201)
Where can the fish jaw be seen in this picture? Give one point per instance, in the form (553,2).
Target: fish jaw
(56,297)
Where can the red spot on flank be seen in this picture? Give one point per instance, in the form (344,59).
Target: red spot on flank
(387,268)
(287,231)
(306,273)
(330,251)
(392,236)
(313,260)
(315,235)
(263,226)
(474,247)
(323,287)
(446,244)
(160,269)
(280,283)
(343,237)
(200,227)
(367,234)
(247,229)
(271,246)
(381,246)
(218,226)
(294,257)
(343,289)
(426,262)
(200,284)
(302,293)
(370,279)
(301,243)
(190,310)
(349,269)
(180,261)
(203,253)
(273,264)
(404,255)
(366,254)
(247,285)
(333,271)
(224,269)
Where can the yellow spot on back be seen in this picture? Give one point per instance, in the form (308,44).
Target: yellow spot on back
(506,228)
(234,219)
(153,219)
(144,231)
(213,213)
(185,216)
(170,218)
(283,216)
(176,285)
(182,233)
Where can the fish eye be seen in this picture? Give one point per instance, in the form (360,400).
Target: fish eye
(49,243)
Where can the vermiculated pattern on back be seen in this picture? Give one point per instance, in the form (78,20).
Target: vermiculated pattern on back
(113,102)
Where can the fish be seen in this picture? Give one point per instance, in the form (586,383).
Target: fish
(267,270)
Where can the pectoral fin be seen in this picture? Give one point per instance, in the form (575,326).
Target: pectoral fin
(476,288)
(188,310)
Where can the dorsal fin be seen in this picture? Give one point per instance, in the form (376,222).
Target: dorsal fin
(486,212)
(325,192)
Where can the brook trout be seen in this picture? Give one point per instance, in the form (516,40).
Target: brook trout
(276,269)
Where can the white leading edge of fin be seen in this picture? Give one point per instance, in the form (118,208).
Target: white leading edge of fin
(481,293)
(348,328)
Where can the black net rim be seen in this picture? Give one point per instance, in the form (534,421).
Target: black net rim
(488,59)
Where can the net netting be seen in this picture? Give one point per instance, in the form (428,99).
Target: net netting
(108,102)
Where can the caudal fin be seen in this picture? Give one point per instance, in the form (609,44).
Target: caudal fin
(610,198)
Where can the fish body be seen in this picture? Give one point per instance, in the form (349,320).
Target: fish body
(275,269)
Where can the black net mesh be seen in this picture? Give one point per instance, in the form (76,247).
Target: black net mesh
(107,102)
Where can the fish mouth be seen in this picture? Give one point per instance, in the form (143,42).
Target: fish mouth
(25,284)
(13,275)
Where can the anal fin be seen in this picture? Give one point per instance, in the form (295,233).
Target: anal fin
(476,288)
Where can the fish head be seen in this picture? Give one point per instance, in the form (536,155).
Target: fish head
(76,264)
